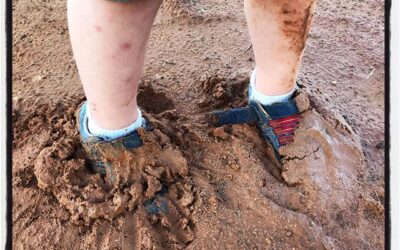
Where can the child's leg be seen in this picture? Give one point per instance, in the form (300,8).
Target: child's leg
(109,40)
(278,31)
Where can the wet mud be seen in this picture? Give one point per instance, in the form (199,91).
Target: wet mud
(192,185)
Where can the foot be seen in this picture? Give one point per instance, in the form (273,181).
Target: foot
(276,122)
(101,151)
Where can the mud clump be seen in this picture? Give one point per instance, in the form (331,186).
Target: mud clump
(220,133)
(153,101)
(221,92)
(147,181)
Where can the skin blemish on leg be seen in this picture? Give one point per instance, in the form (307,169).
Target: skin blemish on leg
(125,46)
(129,80)
(93,106)
(130,100)
(98,28)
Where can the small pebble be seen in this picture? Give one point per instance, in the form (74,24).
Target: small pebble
(220,133)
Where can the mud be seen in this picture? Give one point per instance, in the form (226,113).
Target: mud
(296,25)
(294,17)
(194,186)
(151,183)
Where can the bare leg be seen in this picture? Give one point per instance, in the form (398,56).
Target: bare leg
(278,31)
(109,41)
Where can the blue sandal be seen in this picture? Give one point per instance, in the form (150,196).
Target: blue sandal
(99,148)
(276,122)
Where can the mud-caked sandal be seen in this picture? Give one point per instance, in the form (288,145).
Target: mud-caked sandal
(111,158)
(101,151)
(276,122)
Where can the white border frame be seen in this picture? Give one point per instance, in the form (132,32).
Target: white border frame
(394,131)
(3,126)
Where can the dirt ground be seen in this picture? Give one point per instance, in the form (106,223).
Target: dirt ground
(216,189)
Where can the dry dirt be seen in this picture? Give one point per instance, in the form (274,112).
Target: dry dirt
(206,188)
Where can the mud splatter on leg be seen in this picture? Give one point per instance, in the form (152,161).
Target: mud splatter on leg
(296,21)
(278,30)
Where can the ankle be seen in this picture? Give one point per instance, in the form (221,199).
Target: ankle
(111,134)
(112,117)
(271,86)
(268,99)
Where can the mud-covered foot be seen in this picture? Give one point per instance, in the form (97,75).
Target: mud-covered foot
(104,154)
(149,182)
(276,122)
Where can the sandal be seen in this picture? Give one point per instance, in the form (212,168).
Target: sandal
(276,122)
(99,149)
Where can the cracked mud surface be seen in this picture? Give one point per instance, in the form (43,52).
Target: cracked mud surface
(205,188)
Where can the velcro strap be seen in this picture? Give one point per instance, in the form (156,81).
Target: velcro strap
(282,109)
(234,116)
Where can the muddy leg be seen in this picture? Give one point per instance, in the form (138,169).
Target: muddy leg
(278,31)
(109,41)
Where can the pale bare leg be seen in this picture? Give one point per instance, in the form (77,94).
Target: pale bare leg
(109,41)
(278,31)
